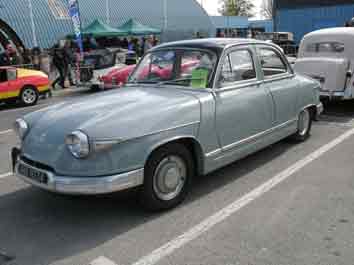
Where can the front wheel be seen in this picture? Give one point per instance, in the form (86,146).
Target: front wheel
(29,96)
(168,175)
(304,126)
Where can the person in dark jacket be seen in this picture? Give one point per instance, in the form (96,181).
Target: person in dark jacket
(4,59)
(68,60)
(58,62)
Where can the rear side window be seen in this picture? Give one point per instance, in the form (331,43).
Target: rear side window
(3,75)
(325,47)
(272,63)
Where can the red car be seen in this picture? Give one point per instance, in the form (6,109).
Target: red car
(118,77)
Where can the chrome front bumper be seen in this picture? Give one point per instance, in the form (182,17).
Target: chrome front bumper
(84,185)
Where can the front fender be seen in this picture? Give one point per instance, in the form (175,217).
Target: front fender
(126,156)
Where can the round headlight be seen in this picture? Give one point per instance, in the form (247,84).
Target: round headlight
(21,128)
(78,144)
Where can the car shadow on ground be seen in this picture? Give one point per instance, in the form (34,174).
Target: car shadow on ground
(339,108)
(41,228)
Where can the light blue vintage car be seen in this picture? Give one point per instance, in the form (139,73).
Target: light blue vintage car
(188,109)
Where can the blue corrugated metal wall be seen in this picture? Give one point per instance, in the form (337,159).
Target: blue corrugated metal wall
(266,24)
(230,22)
(304,20)
(185,17)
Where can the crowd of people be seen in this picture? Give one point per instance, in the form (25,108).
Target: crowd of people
(138,45)
(17,56)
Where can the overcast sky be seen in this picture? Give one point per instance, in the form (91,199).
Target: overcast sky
(212,6)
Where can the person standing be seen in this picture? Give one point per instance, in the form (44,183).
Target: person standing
(58,62)
(11,54)
(142,46)
(68,58)
(149,44)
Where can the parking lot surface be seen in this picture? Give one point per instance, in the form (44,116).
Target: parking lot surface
(287,204)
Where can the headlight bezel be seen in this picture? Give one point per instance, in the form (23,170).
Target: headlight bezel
(21,128)
(78,144)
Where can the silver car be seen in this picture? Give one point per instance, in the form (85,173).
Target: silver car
(189,108)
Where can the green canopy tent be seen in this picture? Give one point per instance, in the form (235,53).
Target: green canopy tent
(133,27)
(99,29)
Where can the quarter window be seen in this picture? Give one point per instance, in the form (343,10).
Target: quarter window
(237,66)
(272,64)
(3,75)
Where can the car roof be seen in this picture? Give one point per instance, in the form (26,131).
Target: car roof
(337,32)
(215,44)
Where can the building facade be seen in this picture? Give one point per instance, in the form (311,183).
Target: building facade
(303,16)
(42,22)
(235,26)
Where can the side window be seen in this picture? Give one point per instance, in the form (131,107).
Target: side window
(3,75)
(272,63)
(238,66)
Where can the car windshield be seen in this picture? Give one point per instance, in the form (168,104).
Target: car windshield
(188,68)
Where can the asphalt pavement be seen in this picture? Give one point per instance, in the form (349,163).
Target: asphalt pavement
(287,204)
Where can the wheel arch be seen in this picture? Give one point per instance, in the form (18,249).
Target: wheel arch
(191,143)
(313,110)
(29,85)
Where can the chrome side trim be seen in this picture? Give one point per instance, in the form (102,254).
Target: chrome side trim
(251,138)
(240,85)
(120,140)
(213,153)
(259,135)
(279,77)
(85,185)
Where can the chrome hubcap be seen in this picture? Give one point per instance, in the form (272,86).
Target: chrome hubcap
(304,122)
(29,96)
(169,178)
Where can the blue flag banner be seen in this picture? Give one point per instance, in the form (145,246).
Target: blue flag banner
(74,13)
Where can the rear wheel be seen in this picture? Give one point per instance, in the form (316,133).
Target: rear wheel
(168,175)
(29,96)
(304,126)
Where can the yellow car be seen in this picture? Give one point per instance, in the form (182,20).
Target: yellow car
(26,86)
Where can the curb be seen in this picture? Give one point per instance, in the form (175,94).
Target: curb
(69,91)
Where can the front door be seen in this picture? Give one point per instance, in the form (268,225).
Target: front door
(244,108)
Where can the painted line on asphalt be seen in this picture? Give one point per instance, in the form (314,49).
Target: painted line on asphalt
(6,132)
(102,261)
(26,108)
(237,205)
(5,175)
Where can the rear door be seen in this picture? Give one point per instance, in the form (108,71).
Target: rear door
(280,81)
(244,108)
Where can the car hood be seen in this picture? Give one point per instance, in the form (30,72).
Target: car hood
(124,114)
(26,72)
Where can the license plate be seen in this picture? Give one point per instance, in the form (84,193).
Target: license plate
(33,174)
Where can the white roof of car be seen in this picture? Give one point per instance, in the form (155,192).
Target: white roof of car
(332,32)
